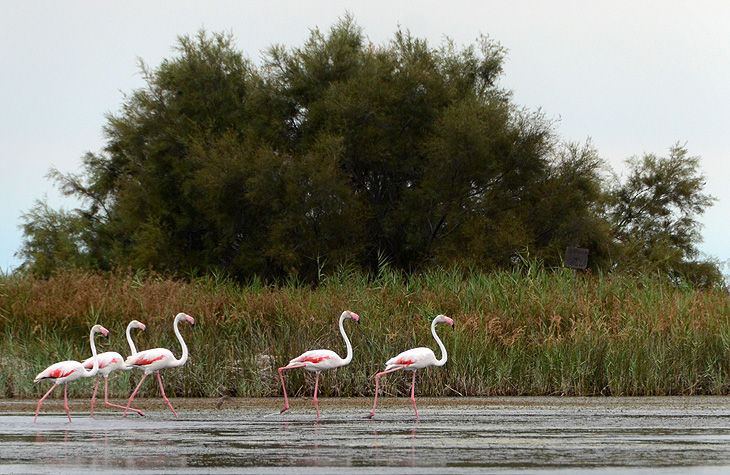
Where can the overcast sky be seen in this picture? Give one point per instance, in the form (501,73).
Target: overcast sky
(633,76)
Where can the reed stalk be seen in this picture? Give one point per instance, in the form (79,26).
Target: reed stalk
(524,331)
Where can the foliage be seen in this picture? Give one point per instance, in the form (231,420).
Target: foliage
(339,151)
(653,214)
(54,240)
(522,331)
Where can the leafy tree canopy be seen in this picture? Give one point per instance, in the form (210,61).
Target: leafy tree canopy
(341,152)
(653,215)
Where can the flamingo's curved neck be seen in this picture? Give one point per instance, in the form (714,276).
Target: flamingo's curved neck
(132,348)
(184,356)
(444,356)
(348,357)
(95,368)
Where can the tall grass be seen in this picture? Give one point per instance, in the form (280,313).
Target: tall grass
(529,331)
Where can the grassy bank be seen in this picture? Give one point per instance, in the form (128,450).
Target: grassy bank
(526,332)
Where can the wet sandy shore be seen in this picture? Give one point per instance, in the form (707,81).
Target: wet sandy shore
(453,435)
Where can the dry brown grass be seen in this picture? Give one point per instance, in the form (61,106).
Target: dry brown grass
(521,332)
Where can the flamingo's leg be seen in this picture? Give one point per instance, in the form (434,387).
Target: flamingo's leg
(413,394)
(93,396)
(133,393)
(162,389)
(65,400)
(377,382)
(316,385)
(42,399)
(283,386)
(106,400)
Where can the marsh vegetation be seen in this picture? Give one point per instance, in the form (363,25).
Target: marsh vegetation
(527,331)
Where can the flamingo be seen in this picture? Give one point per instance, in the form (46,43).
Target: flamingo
(67,371)
(415,359)
(111,361)
(320,360)
(155,359)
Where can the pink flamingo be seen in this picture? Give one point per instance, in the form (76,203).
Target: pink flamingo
(414,359)
(111,361)
(67,371)
(320,360)
(152,361)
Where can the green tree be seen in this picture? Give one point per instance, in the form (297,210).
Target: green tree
(141,188)
(653,215)
(344,152)
(54,239)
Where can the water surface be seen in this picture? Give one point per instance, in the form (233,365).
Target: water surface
(463,435)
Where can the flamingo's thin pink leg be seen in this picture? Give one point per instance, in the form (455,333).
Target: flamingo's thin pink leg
(413,394)
(316,385)
(377,381)
(133,393)
(93,396)
(162,389)
(65,400)
(42,399)
(106,399)
(281,376)
(286,399)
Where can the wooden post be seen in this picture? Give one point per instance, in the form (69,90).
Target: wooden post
(576,258)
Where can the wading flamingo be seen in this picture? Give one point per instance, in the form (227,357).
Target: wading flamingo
(414,359)
(67,371)
(152,361)
(320,360)
(111,361)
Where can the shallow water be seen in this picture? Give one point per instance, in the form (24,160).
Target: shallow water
(502,435)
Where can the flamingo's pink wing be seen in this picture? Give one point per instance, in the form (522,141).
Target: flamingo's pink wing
(312,358)
(403,361)
(104,360)
(144,358)
(57,370)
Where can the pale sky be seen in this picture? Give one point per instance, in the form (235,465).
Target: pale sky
(633,76)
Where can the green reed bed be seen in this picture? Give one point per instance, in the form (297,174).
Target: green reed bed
(529,331)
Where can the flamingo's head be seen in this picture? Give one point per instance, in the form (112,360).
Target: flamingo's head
(100,329)
(352,315)
(445,319)
(138,324)
(185,316)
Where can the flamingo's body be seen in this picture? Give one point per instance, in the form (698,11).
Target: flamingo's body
(112,361)
(155,359)
(66,371)
(320,360)
(414,359)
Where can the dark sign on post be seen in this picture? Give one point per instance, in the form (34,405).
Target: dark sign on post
(576,258)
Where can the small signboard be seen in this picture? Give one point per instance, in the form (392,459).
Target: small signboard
(576,258)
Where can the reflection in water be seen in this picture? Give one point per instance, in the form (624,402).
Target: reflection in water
(46,437)
(413,447)
(392,454)
(478,435)
(316,443)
